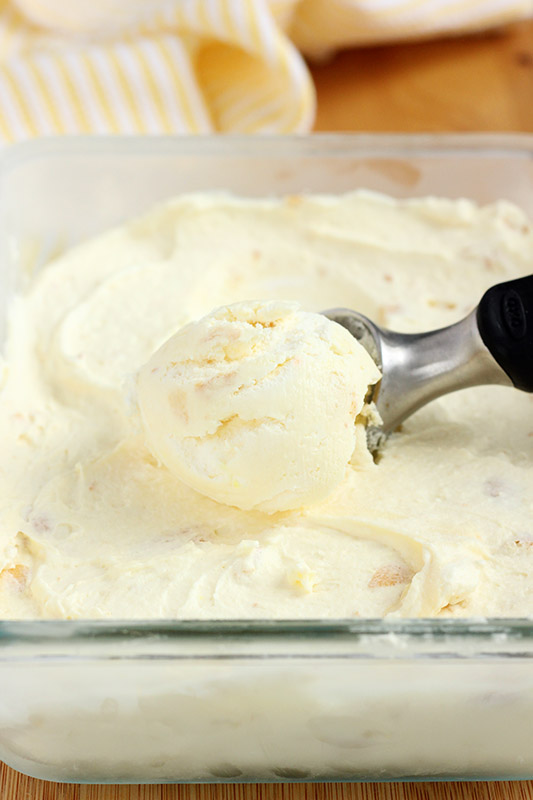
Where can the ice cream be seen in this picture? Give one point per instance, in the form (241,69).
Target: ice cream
(94,523)
(256,404)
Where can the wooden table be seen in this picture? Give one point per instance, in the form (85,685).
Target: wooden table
(16,787)
(481,83)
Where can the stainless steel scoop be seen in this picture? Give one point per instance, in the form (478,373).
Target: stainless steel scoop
(492,345)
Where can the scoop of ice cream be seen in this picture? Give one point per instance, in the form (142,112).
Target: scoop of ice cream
(255,405)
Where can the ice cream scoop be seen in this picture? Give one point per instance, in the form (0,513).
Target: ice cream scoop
(492,345)
(257,405)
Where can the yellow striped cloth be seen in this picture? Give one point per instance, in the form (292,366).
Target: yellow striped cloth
(162,66)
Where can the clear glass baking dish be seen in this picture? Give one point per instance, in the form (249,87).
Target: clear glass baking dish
(263,701)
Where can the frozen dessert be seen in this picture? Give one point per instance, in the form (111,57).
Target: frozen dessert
(256,404)
(108,511)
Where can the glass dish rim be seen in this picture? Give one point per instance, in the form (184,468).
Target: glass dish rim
(443,144)
(425,630)
(481,144)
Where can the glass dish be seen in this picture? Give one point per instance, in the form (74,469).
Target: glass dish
(261,701)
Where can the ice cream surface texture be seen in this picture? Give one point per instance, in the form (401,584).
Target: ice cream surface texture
(255,405)
(100,518)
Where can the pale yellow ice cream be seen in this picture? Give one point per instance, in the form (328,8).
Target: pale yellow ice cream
(93,525)
(256,404)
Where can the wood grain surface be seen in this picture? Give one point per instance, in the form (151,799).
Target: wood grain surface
(480,83)
(16,786)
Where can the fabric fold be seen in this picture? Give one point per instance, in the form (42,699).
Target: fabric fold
(195,66)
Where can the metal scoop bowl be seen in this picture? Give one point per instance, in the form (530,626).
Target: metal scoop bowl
(492,345)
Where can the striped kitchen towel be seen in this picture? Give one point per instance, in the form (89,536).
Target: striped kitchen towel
(180,66)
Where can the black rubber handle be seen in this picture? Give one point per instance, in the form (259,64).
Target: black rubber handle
(505,322)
